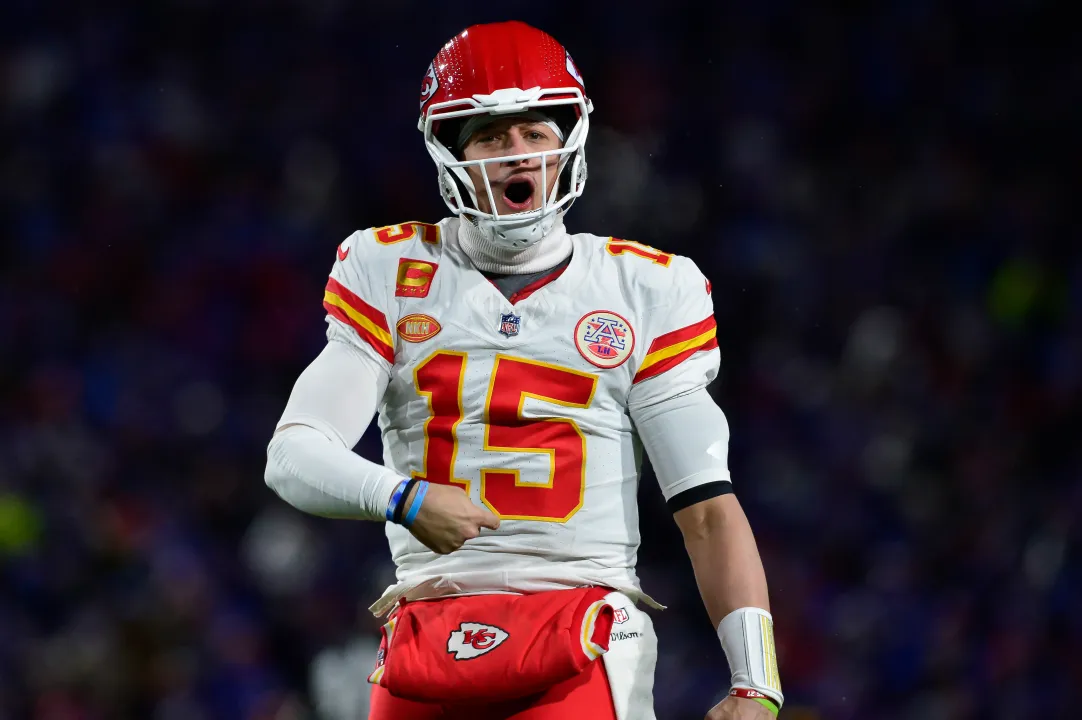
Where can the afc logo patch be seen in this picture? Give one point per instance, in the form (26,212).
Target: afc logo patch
(510,324)
(474,639)
(619,616)
(604,339)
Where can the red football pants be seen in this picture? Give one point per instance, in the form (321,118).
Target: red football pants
(586,695)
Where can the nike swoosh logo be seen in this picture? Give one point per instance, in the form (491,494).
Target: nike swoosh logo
(342,254)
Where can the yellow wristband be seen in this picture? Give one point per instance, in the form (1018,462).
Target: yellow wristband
(768,705)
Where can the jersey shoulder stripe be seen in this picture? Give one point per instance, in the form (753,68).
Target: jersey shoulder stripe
(370,324)
(669,350)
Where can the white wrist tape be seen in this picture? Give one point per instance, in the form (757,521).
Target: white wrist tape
(747,637)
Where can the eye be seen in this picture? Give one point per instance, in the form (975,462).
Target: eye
(536,135)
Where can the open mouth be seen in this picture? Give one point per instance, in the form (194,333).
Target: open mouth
(518,193)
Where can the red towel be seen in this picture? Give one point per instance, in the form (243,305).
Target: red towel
(498,646)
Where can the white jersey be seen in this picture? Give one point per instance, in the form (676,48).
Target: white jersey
(523,403)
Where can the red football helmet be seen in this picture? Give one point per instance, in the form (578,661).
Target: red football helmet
(505,68)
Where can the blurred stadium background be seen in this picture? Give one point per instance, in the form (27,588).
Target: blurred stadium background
(878,191)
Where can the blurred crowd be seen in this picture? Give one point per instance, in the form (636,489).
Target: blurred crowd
(877,192)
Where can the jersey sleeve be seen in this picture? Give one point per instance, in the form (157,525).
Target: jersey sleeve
(681,337)
(358,301)
(687,439)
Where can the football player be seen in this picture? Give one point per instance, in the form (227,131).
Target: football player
(519,371)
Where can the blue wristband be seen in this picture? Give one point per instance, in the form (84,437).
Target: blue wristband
(415,506)
(396,497)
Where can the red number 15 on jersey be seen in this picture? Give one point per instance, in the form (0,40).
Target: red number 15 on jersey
(439,378)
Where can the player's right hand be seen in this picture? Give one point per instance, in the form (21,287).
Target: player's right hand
(448,518)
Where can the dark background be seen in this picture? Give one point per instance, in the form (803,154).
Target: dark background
(880,197)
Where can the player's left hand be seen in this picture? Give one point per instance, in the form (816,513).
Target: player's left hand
(735,708)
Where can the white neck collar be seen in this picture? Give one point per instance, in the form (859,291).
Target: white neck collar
(548,252)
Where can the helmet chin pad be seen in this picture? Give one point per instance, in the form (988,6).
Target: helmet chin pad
(516,236)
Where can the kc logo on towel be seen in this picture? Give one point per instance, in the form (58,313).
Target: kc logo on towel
(474,639)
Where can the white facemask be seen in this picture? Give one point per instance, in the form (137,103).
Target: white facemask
(512,231)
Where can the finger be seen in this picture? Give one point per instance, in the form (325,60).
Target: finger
(487,520)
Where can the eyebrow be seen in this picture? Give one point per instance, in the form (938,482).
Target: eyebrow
(500,127)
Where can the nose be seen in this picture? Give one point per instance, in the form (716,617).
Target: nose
(517,146)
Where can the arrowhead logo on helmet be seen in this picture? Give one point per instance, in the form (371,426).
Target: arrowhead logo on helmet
(429,85)
(573,70)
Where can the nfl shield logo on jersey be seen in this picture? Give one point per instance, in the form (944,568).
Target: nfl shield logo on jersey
(509,324)
(604,338)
